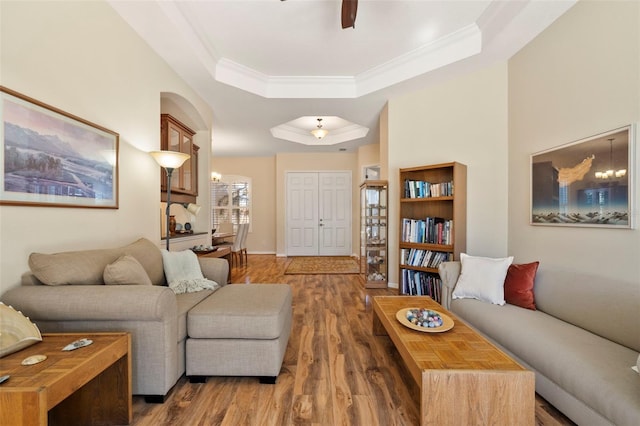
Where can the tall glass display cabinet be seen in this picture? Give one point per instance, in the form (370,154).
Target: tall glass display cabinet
(374,200)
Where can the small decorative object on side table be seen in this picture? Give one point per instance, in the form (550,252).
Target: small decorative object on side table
(16,331)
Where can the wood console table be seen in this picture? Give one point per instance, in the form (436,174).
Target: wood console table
(463,378)
(86,386)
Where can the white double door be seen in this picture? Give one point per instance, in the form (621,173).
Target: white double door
(318,213)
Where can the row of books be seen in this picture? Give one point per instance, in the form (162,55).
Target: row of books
(424,189)
(423,258)
(432,230)
(415,283)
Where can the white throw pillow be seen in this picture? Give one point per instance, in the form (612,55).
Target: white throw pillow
(183,273)
(482,278)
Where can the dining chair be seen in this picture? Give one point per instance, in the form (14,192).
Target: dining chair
(225,228)
(243,245)
(236,247)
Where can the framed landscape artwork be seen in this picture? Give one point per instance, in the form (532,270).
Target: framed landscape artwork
(52,158)
(585,183)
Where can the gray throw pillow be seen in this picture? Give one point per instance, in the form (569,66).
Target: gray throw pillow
(125,270)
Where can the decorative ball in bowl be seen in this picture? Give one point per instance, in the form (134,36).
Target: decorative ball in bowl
(424,318)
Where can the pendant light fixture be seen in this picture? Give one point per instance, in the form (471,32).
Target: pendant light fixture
(319,132)
(610,172)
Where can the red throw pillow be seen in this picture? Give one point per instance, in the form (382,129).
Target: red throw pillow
(518,285)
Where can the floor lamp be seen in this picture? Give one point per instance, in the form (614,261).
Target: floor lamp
(169,160)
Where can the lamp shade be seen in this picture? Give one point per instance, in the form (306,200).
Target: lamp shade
(194,209)
(169,159)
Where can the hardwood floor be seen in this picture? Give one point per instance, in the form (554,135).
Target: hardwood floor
(335,372)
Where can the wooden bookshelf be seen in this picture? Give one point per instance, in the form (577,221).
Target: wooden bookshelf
(433,219)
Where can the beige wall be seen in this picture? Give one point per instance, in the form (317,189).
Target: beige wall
(262,171)
(313,162)
(268,177)
(82,58)
(578,78)
(464,120)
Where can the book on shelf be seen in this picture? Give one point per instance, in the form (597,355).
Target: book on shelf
(423,258)
(416,283)
(424,189)
(432,230)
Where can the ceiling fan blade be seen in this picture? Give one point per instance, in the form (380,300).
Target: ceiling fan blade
(349,9)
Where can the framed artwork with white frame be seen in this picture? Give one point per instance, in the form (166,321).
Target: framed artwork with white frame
(585,183)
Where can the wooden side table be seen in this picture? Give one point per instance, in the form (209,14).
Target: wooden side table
(86,386)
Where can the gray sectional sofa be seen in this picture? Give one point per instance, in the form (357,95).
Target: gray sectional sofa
(581,341)
(66,292)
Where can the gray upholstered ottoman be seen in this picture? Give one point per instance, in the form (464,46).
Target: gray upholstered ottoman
(240,330)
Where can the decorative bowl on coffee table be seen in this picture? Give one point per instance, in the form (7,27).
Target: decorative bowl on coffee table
(403,317)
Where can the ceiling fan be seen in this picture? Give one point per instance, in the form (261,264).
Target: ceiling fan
(349,10)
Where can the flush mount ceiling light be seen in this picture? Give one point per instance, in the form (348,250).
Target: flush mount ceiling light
(319,132)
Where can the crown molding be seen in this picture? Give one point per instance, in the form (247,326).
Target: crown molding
(205,53)
(456,46)
(250,80)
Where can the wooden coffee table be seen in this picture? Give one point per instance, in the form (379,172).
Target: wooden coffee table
(463,378)
(86,386)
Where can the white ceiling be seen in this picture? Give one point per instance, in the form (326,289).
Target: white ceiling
(265,63)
